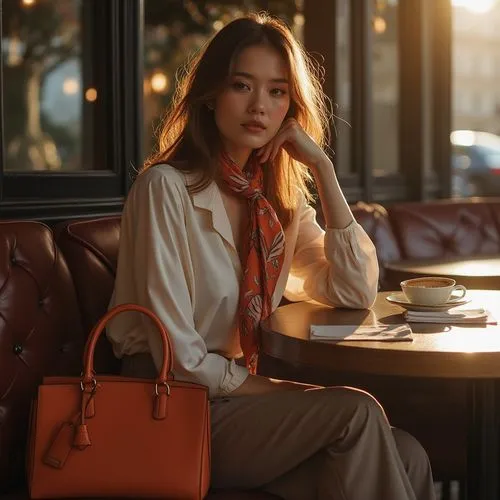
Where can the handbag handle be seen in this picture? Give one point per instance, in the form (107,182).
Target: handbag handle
(88,360)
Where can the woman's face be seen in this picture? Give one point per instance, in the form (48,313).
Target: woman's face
(252,106)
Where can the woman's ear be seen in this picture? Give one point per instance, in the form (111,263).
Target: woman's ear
(211,105)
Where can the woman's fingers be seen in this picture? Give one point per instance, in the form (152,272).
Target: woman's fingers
(273,146)
(264,151)
(271,149)
(287,134)
(277,145)
(300,146)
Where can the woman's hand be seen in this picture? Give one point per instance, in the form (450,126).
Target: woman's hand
(294,140)
(292,137)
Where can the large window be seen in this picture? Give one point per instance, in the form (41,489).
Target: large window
(69,102)
(383,74)
(342,105)
(52,92)
(475,137)
(85,84)
(385,91)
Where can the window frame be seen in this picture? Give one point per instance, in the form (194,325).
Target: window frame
(424,47)
(58,195)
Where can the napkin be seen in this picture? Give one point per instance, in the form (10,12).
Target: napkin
(356,332)
(455,315)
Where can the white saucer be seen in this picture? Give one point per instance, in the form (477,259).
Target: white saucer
(400,299)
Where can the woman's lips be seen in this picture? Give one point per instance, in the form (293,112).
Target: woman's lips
(254,128)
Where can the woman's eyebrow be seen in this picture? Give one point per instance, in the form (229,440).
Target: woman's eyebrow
(252,77)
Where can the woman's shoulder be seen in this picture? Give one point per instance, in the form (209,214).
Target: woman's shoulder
(167,183)
(162,179)
(159,185)
(163,171)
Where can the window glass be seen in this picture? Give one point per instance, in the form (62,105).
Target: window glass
(476,100)
(385,93)
(47,98)
(342,105)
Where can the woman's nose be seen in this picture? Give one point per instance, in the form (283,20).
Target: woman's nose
(257,104)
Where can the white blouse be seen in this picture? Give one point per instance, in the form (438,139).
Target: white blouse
(178,258)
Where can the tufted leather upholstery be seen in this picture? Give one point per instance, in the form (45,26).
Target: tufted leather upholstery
(40,329)
(91,251)
(375,221)
(446,228)
(495,211)
(49,299)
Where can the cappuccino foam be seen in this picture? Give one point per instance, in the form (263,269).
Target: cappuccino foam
(430,283)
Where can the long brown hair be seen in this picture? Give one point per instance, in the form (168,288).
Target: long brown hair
(189,138)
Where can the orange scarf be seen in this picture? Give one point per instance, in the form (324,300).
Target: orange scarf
(264,249)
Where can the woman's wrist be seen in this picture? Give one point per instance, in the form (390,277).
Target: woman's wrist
(336,211)
(322,167)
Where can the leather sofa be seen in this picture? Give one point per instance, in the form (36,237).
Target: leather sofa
(438,229)
(55,284)
(51,294)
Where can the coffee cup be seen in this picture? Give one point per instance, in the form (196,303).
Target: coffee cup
(431,291)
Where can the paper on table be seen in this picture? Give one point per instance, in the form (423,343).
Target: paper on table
(452,316)
(356,332)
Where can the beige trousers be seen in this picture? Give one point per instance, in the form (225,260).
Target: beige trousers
(332,443)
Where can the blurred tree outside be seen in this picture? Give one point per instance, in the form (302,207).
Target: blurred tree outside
(38,37)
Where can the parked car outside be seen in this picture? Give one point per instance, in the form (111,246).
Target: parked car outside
(475,163)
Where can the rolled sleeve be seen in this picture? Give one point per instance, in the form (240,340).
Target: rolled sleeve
(338,267)
(353,262)
(234,377)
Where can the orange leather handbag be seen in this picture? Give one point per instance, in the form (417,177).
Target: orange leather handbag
(112,436)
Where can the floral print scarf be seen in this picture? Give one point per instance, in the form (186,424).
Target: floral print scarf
(264,250)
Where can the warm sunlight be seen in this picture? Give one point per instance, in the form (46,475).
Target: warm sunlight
(478,6)
(468,339)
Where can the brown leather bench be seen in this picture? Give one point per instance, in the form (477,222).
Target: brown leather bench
(52,293)
(438,229)
(48,303)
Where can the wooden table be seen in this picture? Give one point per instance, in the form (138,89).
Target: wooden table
(478,272)
(437,351)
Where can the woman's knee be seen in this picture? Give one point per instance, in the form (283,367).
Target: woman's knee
(412,453)
(358,402)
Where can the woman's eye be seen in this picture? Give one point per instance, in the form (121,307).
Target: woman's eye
(278,92)
(240,86)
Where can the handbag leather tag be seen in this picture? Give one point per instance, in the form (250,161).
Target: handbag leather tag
(160,406)
(81,437)
(61,446)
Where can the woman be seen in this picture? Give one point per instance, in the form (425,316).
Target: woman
(215,230)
